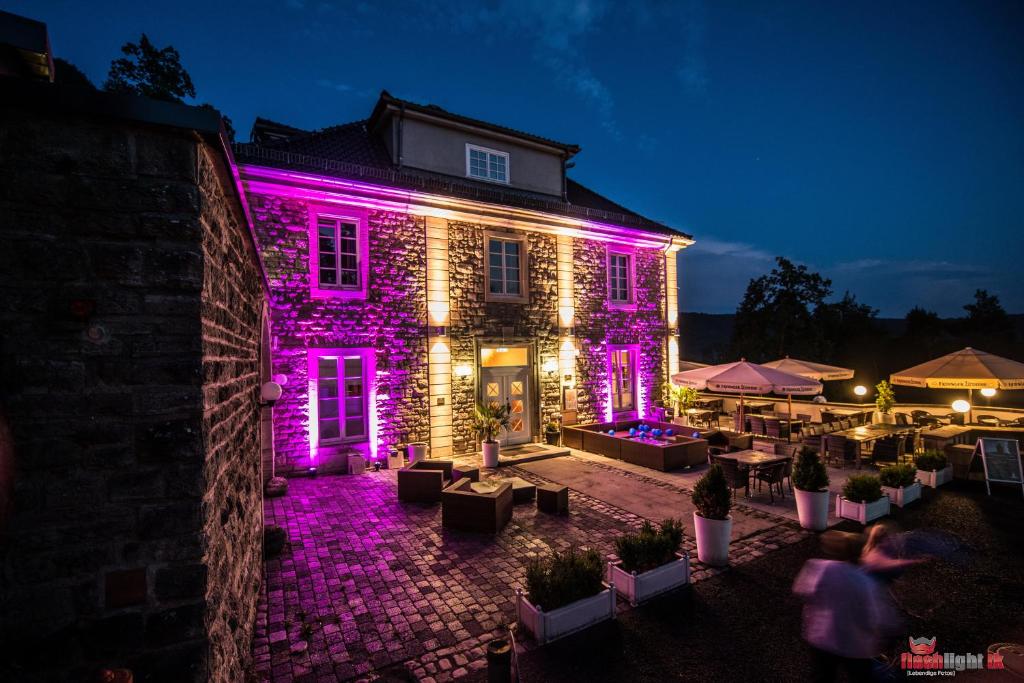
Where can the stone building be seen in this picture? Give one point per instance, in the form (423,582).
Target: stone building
(133,311)
(421,262)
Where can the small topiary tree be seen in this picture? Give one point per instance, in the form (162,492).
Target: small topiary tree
(809,473)
(885,398)
(862,488)
(898,476)
(711,494)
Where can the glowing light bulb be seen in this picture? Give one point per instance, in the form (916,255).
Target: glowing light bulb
(988,393)
(860,390)
(961,406)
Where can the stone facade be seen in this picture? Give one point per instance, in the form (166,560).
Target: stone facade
(131,310)
(391,320)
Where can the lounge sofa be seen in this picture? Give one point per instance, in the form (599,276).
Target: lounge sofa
(424,480)
(466,510)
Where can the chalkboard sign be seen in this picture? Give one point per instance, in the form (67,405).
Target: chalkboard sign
(1001,458)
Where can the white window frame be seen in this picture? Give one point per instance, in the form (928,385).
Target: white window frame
(629,303)
(339,215)
(489,152)
(524,263)
(339,355)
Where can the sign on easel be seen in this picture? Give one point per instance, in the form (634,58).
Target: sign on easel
(1001,459)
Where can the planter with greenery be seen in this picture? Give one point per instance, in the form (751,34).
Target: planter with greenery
(862,499)
(552,433)
(564,594)
(885,400)
(899,482)
(650,562)
(810,484)
(933,468)
(711,521)
(488,422)
(681,399)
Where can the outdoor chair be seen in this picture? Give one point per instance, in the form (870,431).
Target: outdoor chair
(840,449)
(909,445)
(773,476)
(806,419)
(845,424)
(918,415)
(774,428)
(424,480)
(929,421)
(790,451)
(811,438)
(889,449)
(902,419)
(757,425)
(736,477)
(741,442)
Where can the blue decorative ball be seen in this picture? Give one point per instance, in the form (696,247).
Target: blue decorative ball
(632,431)
(669,432)
(611,432)
(656,432)
(644,428)
(696,435)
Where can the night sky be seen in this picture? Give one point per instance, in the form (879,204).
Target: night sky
(880,143)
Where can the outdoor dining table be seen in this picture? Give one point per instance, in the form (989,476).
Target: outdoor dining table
(752,458)
(867,433)
(756,407)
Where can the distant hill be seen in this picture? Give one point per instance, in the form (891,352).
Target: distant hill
(705,337)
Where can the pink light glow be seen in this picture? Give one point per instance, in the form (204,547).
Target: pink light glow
(370,390)
(360,218)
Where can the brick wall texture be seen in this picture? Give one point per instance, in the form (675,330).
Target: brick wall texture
(393,321)
(131,306)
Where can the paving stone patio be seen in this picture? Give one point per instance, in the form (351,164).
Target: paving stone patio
(370,584)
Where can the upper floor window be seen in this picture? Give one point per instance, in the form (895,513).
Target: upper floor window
(506,268)
(486,164)
(341,404)
(338,254)
(620,278)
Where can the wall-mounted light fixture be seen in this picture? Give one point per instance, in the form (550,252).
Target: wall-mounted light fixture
(269,393)
(462,371)
(860,390)
(550,366)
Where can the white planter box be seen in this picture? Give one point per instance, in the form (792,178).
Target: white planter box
(548,626)
(862,512)
(936,478)
(812,509)
(904,494)
(713,537)
(638,588)
(356,464)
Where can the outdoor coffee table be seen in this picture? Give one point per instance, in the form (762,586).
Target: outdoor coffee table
(522,490)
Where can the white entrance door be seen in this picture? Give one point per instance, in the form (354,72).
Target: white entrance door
(509,386)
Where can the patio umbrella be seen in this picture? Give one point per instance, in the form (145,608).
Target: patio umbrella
(965,369)
(746,378)
(810,370)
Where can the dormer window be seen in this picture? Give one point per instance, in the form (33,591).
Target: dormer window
(486,164)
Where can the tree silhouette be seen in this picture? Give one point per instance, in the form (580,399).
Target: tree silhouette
(146,70)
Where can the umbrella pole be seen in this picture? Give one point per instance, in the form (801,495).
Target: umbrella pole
(743,419)
(789,425)
(970,402)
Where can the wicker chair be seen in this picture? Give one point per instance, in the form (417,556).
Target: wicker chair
(840,449)
(806,419)
(774,428)
(918,415)
(736,477)
(889,449)
(772,475)
(757,425)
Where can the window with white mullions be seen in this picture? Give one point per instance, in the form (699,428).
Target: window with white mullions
(504,261)
(338,251)
(486,164)
(341,399)
(618,278)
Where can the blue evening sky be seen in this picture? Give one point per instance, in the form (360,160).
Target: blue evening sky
(880,143)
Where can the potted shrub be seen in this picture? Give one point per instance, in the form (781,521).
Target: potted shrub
(933,468)
(488,421)
(711,521)
(810,487)
(564,594)
(862,499)
(650,562)
(885,400)
(552,433)
(899,482)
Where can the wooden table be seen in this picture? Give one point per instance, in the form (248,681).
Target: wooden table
(754,407)
(753,458)
(867,433)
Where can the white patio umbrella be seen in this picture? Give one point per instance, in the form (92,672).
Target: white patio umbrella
(964,369)
(810,370)
(746,378)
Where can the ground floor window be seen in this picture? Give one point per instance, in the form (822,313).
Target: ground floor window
(341,403)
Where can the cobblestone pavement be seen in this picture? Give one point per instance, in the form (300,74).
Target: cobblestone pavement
(371,586)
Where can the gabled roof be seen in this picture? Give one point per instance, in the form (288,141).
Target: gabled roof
(353,151)
(388,102)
